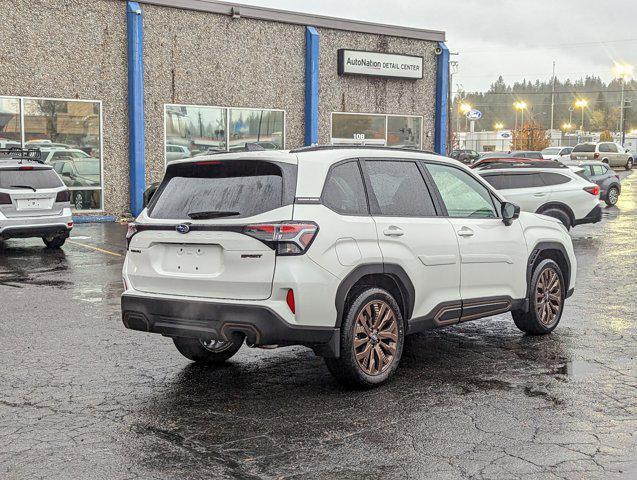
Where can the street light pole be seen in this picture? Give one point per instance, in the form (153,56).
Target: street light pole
(622,114)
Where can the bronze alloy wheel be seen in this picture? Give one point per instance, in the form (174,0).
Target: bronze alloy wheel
(548,297)
(375,337)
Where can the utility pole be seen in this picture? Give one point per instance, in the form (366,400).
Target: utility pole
(553,96)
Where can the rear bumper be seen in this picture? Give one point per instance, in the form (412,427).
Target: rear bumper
(201,319)
(27,231)
(594,216)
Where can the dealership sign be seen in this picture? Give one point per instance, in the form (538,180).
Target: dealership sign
(357,62)
(474,114)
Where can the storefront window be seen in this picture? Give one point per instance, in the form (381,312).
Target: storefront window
(355,129)
(261,127)
(194,130)
(197,130)
(10,131)
(374,129)
(404,131)
(68,134)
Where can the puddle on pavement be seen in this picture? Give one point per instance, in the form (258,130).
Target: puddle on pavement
(576,369)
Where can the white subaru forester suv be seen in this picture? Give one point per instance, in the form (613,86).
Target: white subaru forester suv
(343,250)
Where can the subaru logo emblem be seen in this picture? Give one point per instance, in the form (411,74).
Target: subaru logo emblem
(183,228)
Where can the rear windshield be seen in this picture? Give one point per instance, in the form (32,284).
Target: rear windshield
(584,147)
(223,189)
(35,179)
(551,151)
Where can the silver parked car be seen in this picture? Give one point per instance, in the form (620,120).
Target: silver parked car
(34,202)
(610,153)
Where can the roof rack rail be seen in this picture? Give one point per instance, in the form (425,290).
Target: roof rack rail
(520,164)
(317,148)
(18,153)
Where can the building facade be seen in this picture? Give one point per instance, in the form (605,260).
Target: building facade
(111,90)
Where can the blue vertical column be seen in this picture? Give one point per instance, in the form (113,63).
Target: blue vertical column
(442,101)
(136,107)
(311,86)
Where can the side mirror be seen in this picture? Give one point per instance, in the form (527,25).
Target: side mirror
(149,192)
(510,211)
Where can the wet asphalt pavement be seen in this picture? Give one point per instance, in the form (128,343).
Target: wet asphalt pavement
(82,397)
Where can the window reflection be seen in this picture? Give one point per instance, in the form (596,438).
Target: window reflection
(374,129)
(192,131)
(10,134)
(260,127)
(68,136)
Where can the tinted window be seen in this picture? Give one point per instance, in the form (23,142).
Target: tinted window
(344,191)
(508,181)
(605,147)
(584,147)
(237,188)
(462,194)
(43,178)
(554,178)
(400,189)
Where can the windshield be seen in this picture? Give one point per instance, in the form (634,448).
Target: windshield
(88,167)
(217,189)
(36,179)
(584,147)
(551,151)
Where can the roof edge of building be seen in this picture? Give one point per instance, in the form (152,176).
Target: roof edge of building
(298,18)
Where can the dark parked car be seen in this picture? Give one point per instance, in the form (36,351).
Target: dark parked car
(527,154)
(601,174)
(465,156)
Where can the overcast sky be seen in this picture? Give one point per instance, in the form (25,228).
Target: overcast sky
(518,39)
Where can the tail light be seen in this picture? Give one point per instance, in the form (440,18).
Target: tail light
(289,299)
(286,238)
(5,199)
(132,230)
(63,196)
(593,190)
(596,155)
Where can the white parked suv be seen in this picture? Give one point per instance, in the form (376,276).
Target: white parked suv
(550,189)
(343,250)
(33,200)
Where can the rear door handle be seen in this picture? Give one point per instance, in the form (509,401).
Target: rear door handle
(465,232)
(539,194)
(393,231)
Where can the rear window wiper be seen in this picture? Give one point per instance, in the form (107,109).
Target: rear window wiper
(23,186)
(212,214)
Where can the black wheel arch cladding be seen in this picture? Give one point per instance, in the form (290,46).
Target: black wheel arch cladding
(394,273)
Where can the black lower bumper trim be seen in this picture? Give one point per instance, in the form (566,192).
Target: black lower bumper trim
(40,231)
(198,319)
(594,216)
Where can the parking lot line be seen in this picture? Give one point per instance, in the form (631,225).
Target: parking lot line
(96,248)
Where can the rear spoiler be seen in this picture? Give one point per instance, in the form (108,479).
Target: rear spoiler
(17,153)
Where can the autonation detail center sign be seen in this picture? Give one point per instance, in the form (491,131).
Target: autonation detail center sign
(357,62)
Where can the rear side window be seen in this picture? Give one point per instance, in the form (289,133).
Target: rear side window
(38,178)
(344,191)
(400,189)
(223,189)
(550,178)
(599,169)
(584,147)
(508,181)
(604,147)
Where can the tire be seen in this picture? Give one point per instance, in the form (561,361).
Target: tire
(206,352)
(629,164)
(54,242)
(561,215)
(612,196)
(545,308)
(373,323)
(79,201)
